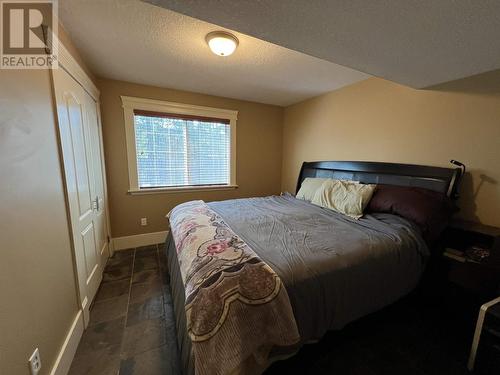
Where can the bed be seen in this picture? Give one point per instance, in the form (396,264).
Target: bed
(333,269)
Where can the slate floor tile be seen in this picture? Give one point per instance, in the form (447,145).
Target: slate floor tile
(165,278)
(146,262)
(146,250)
(113,289)
(102,362)
(144,336)
(152,362)
(163,255)
(146,276)
(118,273)
(125,253)
(107,335)
(117,262)
(151,308)
(141,292)
(110,309)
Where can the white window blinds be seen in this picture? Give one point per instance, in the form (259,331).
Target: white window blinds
(176,150)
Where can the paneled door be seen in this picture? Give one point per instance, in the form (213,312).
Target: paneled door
(80,138)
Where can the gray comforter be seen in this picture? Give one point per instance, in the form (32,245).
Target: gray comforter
(335,269)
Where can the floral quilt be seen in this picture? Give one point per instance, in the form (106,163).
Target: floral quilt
(237,309)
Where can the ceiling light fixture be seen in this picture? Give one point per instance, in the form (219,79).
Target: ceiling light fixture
(222,43)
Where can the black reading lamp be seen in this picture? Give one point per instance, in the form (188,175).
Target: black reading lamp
(462,174)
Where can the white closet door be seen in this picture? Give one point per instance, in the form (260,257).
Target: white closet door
(97,156)
(82,158)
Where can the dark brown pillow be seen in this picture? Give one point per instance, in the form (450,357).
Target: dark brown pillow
(430,210)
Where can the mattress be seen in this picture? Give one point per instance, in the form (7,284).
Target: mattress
(335,269)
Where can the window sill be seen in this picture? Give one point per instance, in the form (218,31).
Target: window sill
(180,189)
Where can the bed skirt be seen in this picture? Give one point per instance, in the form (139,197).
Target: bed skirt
(178,301)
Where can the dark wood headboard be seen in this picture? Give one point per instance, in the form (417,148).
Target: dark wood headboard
(444,180)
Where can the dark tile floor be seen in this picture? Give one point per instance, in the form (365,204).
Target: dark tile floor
(132,331)
(414,336)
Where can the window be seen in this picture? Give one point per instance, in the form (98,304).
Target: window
(174,146)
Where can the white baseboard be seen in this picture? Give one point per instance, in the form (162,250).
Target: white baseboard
(122,243)
(68,349)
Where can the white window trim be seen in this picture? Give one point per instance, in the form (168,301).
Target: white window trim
(129,104)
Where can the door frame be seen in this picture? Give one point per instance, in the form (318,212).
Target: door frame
(68,63)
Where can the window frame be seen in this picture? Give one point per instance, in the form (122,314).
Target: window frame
(129,104)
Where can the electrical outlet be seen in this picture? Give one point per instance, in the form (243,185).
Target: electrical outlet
(144,221)
(35,362)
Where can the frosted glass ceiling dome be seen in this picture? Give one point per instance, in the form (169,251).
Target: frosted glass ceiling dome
(222,43)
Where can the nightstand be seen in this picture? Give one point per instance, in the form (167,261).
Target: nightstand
(479,276)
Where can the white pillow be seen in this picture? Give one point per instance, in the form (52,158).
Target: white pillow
(309,187)
(347,197)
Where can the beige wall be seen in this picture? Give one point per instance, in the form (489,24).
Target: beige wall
(37,283)
(382,121)
(259,133)
(37,287)
(65,39)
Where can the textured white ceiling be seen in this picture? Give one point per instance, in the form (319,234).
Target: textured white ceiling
(417,43)
(137,42)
